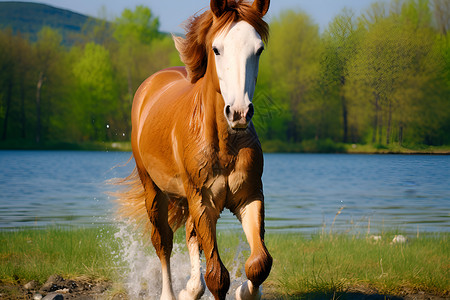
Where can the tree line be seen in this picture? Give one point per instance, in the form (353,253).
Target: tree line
(382,77)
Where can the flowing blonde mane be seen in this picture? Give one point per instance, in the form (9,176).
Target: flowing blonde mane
(200,31)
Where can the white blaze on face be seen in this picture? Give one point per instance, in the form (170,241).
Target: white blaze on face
(237,53)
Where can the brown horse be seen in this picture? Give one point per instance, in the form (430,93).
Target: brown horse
(196,149)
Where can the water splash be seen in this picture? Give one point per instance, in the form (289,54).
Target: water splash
(141,269)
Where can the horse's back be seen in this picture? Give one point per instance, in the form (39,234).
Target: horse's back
(155,85)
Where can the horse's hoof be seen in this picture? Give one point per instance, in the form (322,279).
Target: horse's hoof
(192,292)
(186,295)
(247,292)
(167,297)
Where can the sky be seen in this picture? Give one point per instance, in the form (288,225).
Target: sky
(172,13)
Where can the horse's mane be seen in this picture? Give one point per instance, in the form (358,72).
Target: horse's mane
(200,30)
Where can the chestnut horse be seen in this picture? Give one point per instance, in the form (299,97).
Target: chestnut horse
(196,149)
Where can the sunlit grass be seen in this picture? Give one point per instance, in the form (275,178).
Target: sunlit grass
(336,263)
(30,254)
(303,264)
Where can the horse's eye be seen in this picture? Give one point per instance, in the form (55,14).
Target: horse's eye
(216,51)
(260,51)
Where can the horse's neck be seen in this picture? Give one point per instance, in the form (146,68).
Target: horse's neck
(215,129)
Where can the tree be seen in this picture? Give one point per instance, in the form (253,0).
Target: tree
(7,68)
(441,9)
(292,59)
(390,70)
(133,30)
(341,40)
(47,49)
(97,96)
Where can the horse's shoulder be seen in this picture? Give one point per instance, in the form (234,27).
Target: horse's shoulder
(170,74)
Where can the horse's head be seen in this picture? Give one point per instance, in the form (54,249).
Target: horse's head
(228,39)
(237,49)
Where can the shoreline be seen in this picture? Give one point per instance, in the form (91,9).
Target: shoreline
(308,147)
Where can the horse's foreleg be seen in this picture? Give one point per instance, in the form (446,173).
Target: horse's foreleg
(161,235)
(195,287)
(258,265)
(216,275)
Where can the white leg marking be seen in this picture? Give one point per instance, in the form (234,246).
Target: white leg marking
(167,291)
(251,223)
(248,292)
(195,287)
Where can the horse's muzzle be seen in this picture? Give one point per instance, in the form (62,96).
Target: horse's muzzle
(239,118)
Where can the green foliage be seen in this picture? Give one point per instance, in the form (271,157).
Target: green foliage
(290,69)
(395,74)
(95,75)
(139,26)
(56,95)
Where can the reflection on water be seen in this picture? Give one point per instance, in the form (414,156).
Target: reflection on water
(303,192)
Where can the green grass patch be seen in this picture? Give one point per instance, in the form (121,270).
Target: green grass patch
(335,264)
(21,144)
(303,264)
(307,146)
(395,149)
(30,254)
(328,146)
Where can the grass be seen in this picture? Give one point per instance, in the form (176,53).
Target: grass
(328,146)
(336,263)
(21,144)
(29,254)
(395,149)
(303,264)
(269,146)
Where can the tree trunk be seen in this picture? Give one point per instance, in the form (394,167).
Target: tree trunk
(380,129)
(23,119)
(130,85)
(388,133)
(38,106)
(344,111)
(8,109)
(344,118)
(375,119)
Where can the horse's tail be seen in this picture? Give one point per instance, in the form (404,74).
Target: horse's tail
(131,204)
(130,200)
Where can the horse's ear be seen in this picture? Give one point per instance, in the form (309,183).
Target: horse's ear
(262,6)
(218,7)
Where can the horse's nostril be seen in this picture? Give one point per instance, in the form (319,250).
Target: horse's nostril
(227,110)
(250,112)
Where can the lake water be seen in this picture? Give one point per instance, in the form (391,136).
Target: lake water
(304,192)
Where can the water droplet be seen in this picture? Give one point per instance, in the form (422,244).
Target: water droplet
(107,126)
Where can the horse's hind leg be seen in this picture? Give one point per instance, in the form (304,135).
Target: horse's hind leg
(195,287)
(161,235)
(258,265)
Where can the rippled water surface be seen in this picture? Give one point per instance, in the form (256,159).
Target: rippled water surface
(304,192)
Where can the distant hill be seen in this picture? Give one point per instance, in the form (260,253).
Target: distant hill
(28,18)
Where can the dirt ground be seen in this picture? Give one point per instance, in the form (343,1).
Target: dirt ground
(58,288)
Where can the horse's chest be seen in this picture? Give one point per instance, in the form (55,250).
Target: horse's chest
(214,191)
(218,187)
(236,180)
